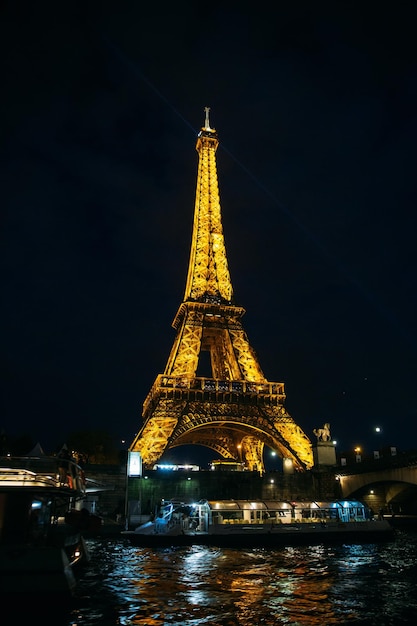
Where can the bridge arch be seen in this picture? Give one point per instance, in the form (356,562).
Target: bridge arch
(395,488)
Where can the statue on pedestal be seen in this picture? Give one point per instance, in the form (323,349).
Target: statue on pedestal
(323,434)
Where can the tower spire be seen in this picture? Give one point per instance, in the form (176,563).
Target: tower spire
(208,278)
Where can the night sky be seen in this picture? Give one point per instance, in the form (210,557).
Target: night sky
(315,107)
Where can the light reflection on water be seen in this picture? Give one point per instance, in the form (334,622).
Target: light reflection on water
(369,585)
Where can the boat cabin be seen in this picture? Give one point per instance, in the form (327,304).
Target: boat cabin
(206,513)
(34,492)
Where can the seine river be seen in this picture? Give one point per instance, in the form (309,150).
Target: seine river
(316,585)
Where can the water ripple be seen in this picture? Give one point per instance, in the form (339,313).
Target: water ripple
(366,585)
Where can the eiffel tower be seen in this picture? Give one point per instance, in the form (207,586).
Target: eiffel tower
(236,411)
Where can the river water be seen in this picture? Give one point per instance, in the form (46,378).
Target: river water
(372,584)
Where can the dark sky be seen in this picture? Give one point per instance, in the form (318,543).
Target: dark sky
(315,106)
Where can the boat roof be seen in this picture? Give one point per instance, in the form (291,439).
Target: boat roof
(234,505)
(40,474)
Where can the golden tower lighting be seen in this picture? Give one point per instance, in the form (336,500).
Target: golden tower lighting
(235,411)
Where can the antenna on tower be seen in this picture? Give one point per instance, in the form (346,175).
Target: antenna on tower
(207,122)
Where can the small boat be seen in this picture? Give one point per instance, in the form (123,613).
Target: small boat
(40,546)
(244,523)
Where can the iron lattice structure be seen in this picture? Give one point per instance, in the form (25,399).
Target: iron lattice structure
(236,411)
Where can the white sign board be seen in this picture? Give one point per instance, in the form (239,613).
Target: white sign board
(134,464)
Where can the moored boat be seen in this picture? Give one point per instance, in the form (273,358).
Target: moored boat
(39,549)
(240,523)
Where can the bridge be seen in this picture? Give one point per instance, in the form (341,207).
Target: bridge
(388,483)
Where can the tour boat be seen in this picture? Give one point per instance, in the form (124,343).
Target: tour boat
(241,523)
(40,547)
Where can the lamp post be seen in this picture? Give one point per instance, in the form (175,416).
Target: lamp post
(377,453)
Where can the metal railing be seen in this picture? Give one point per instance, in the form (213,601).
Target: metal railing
(41,473)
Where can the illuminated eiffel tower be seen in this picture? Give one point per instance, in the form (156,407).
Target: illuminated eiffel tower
(236,411)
